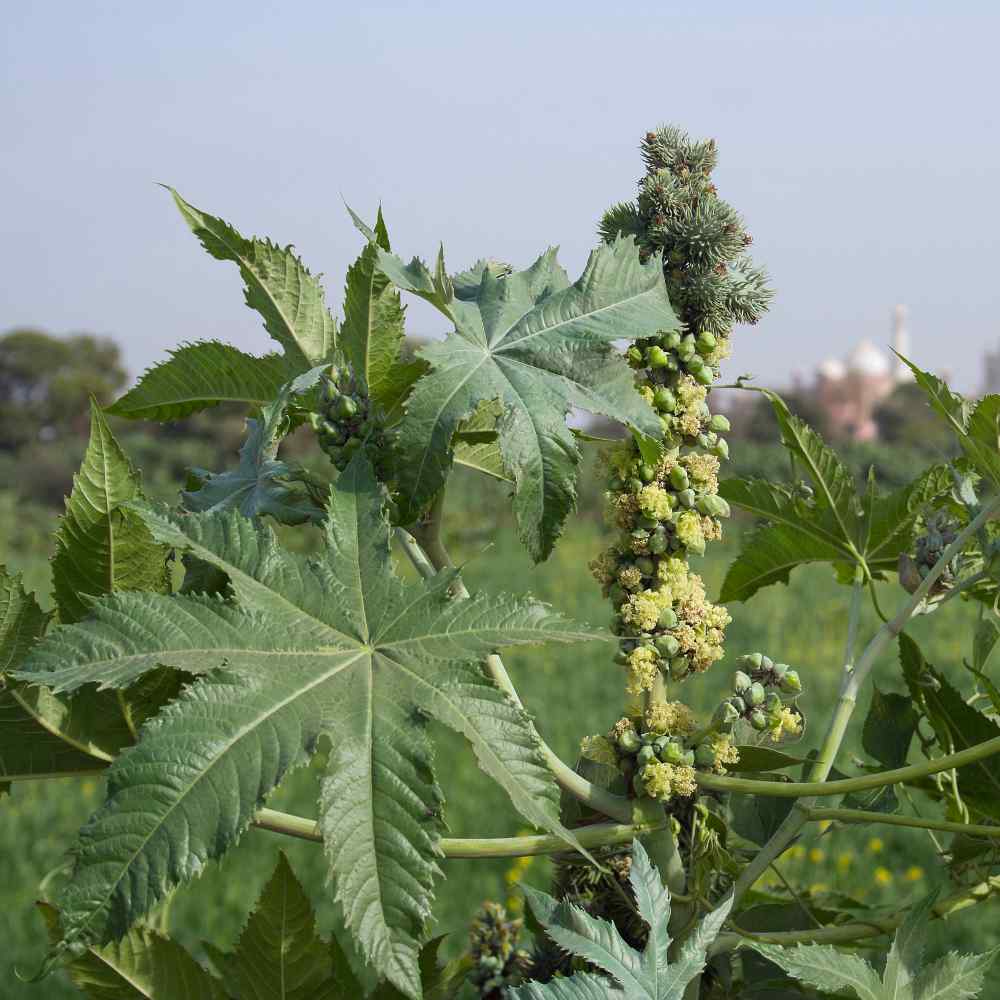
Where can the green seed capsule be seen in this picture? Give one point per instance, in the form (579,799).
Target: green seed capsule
(725,714)
(667,619)
(741,682)
(772,703)
(332,431)
(688,758)
(679,667)
(679,477)
(790,683)
(645,566)
(634,485)
(671,341)
(621,658)
(649,524)
(719,423)
(647,473)
(330,393)
(686,498)
(346,407)
(645,756)
(779,670)
(713,505)
(616,593)
(672,753)
(667,646)
(664,399)
(706,342)
(758,720)
(656,357)
(694,363)
(352,445)
(705,376)
(721,449)
(757,694)
(738,704)
(766,663)
(634,356)
(316,421)
(705,756)
(658,542)
(754,661)
(628,741)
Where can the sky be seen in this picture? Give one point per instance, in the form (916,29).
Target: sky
(859,141)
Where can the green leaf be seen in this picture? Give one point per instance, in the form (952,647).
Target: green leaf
(278,286)
(372,334)
(279,955)
(761,758)
(143,964)
(796,535)
(477,443)
(826,968)
(28,750)
(201,375)
(261,483)
(101,546)
(334,646)
(952,978)
(955,977)
(22,621)
(975,425)
(889,728)
(757,817)
(540,346)
(957,726)
(645,975)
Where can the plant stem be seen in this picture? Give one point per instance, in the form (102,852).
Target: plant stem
(846,933)
(596,835)
(800,789)
(428,557)
(891,819)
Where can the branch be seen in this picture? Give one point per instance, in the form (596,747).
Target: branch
(428,557)
(890,819)
(846,933)
(597,835)
(801,789)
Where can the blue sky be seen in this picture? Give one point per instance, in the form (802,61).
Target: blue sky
(861,146)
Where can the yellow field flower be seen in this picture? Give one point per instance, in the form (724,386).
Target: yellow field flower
(914,873)
(875,845)
(817,855)
(883,876)
(844,860)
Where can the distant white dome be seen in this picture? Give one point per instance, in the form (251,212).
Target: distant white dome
(832,370)
(867,359)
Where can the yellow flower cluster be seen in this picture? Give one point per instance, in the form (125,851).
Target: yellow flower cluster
(788,722)
(599,750)
(671,718)
(603,568)
(703,471)
(642,670)
(655,501)
(514,876)
(664,781)
(630,578)
(689,531)
(725,753)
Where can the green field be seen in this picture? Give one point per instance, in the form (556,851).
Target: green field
(571,692)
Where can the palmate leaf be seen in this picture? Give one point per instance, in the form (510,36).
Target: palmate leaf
(199,376)
(372,333)
(645,975)
(954,977)
(539,346)
(143,964)
(335,646)
(837,526)
(957,726)
(22,621)
(261,483)
(290,300)
(279,955)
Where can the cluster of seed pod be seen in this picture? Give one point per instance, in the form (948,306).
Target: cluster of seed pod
(497,962)
(940,530)
(666,512)
(345,421)
(757,698)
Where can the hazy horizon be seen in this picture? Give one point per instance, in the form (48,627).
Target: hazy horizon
(860,148)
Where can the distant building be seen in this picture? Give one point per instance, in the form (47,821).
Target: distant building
(850,390)
(991,372)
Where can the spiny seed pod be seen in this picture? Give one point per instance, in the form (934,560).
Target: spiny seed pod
(719,423)
(664,400)
(667,646)
(705,376)
(790,683)
(628,741)
(656,357)
(706,342)
(741,682)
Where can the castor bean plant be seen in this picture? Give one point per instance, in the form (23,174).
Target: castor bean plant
(194,661)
